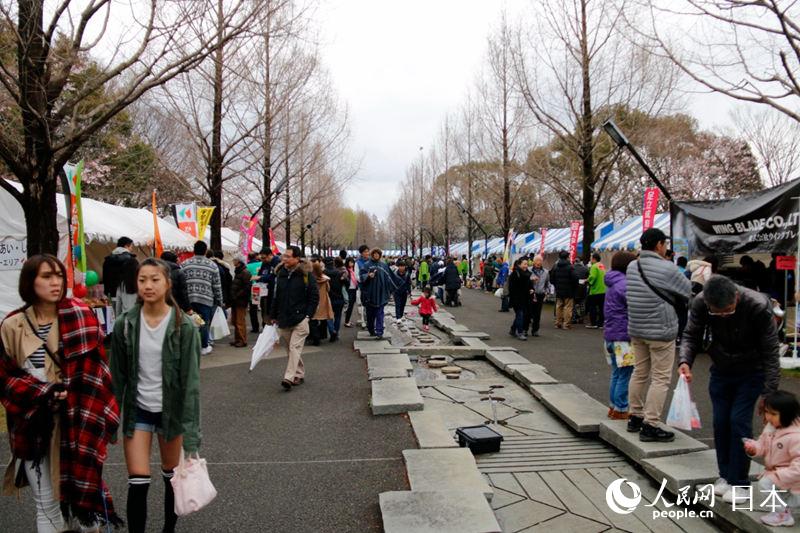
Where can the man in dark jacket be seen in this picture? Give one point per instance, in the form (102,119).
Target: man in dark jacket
(295,302)
(266,275)
(239,301)
(452,282)
(579,303)
(565,281)
(744,350)
(179,291)
(119,273)
(377,283)
(225,276)
(334,269)
(403,289)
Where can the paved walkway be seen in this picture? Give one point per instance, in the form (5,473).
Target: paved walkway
(311,460)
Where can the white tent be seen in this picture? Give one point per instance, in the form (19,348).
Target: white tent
(626,237)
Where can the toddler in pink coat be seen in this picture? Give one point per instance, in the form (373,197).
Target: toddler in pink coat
(427,306)
(779,445)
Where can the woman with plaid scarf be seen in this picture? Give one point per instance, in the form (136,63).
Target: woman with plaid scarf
(155,364)
(56,387)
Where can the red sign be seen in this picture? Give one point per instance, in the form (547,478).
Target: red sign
(574,232)
(785,262)
(650,206)
(543,231)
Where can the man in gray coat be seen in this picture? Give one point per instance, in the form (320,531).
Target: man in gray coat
(655,287)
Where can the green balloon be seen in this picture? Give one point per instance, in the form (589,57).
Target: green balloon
(91,278)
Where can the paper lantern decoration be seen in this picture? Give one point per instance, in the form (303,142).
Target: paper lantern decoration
(79,291)
(91,278)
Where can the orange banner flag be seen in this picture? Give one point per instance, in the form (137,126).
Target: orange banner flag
(157,245)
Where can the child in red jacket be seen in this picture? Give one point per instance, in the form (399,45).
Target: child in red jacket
(427,306)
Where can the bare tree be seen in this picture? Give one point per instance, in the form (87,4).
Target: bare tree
(775,141)
(52,111)
(748,50)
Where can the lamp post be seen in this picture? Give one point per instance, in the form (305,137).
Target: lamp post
(622,141)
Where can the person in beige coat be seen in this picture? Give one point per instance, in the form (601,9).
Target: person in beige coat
(319,322)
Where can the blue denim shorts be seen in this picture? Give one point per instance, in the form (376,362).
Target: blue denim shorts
(147,421)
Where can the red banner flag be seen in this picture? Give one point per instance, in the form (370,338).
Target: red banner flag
(272,245)
(157,244)
(543,231)
(650,207)
(574,233)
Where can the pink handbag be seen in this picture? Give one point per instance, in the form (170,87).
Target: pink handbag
(192,486)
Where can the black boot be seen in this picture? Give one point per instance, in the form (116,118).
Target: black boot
(635,423)
(170,518)
(655,434)
(137,503)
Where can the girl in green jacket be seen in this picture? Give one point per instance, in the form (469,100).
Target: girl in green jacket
(155,367)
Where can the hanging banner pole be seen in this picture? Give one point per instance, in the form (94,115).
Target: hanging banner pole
(81,236)
(543,232)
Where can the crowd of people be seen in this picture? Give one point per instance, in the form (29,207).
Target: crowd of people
(66,398)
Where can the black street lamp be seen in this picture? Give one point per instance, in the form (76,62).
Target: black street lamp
(622,141)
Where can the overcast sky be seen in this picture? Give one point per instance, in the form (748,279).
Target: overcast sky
(402,66)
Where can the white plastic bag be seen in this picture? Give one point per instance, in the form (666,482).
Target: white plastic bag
(219,325)
(499,292)
(681,410)
(192,486)
(264,345)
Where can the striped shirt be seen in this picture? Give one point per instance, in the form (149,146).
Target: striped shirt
(37,357)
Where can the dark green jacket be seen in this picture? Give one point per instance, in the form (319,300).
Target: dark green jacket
(181,376)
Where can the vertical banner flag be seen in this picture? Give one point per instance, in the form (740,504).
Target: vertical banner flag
(574,233)
(79,241)
(72,220)
(158,247)
(543,232)
(203,220)
(186,218)
(272,245)
(650,206)
(507,250)
(248,228)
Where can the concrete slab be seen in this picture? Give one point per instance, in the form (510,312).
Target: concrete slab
(502,359)
(366,352)
(743,519)
(689,469)
(531,374)
(614,432)
(472,342)
(371,345)
(577,409)
(445,470)
(389,360)
(454,351)
(386,373)
(430,430)
(365,336)
(398,395)
(473,334)
(437,512)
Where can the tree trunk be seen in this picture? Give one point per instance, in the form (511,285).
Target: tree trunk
(586,144)
(41,213)
(266,203)
(215,170)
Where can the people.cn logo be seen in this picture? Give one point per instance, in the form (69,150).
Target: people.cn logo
(619,502)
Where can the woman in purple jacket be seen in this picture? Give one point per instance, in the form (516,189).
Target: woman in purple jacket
(615,333)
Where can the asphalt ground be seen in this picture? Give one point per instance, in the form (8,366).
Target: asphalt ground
(578,355)
(310,460)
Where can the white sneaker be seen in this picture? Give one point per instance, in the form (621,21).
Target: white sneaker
(207,350)
(720,486)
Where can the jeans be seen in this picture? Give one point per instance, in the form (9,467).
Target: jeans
(48,510)
(620,378)
(374,320)
(535,315)
(519,321)
(255,325)
(206,312)
(336,322)
(352,302)
(400,305)
(505,304)
(595,303)
(733,398)
(452,297)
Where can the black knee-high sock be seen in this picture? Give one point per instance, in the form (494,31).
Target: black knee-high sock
(137,503)
(170,518)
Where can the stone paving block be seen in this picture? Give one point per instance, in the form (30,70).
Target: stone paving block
(389,360)
(473,334)
(361,346)
(531,374)
(437,512)
(464,352)
(364,353)
(742,519)
(445,469)
(365,336)
(524,514)
(502,359)
(614,432)
(430,429)
(398,395)
(580,411)
(689,469)
(386,373)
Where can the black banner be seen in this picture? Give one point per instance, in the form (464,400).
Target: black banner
(765,221)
